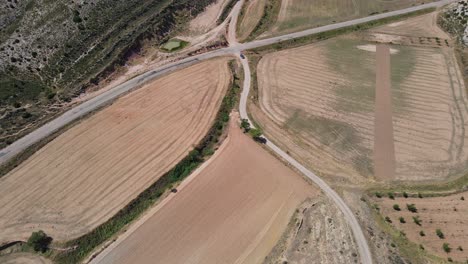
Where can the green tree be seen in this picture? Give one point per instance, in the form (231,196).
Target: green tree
(421,233)
(405,195)
(255,132)
(391,195)
(402,220)
(440,234)
(446,247)
(245,125)
(412,208)
(39,241)
(396,207)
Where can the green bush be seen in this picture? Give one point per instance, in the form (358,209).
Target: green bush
(417,221)
(402,220)
(446,247)
(391,195)
(412,208)
(39,241)
(421,233)
(440,234)
(396,207)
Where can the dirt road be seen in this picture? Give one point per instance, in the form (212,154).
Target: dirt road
(384,147)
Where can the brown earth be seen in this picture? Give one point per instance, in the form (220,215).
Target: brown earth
(449,214)
(90,172)
(206,20)
(384,148)
(232,211)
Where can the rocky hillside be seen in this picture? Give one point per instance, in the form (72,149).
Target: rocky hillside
(50,49)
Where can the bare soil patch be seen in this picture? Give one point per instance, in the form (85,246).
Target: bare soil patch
(449,214)
(384,147)
(206,20)
(233,211)
(90,172)
(317,233)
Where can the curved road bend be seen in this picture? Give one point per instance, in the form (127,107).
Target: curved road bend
(361,241)
(100,100)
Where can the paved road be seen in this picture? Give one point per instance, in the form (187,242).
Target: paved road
(106,97)
(364,250)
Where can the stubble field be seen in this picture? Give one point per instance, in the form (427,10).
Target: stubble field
(233,210)
(90,172)
(296,15)
(318,102)
(253,13)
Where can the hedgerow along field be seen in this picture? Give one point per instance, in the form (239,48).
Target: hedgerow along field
(86,175)
(320,99)
(296,15)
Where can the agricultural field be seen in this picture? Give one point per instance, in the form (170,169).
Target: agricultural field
(319,100)
(88,173)
(231,210)
(252,13)
(23,258)
(296,15)
(445,213)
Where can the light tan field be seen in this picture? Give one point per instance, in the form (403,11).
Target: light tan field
(449,214)
(420,26)
(232,211)
(252,14)
(296,15)
(90,172)
(23,258)
(318,101)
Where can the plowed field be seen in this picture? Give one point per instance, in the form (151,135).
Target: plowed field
(321,100)
(90,172)
(232,211)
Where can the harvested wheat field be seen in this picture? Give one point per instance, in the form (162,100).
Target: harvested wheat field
(232,211)
(252,14)
(90,172)
(318,101)
(449,214)
(296,15)
(23,258)
(420,26)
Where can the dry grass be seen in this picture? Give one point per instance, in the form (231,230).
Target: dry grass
(323,97)
(252,14)
(90,172)
(445,213)
(231,211)
(297,15)
(23,258)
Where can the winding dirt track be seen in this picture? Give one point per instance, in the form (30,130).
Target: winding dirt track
(232,211)
(90,172)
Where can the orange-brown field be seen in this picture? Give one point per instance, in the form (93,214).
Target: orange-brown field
(318,102)
(449,214)
(233,210)
(90,172)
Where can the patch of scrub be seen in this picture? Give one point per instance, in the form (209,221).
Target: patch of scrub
(337,135)
(174,45)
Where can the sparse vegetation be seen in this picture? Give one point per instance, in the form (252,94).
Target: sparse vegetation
(417,221)
(396,207)
(402,220)
(39,241)
(391,195)
(440,234)
(446,248)
(387,219)
(412,208)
